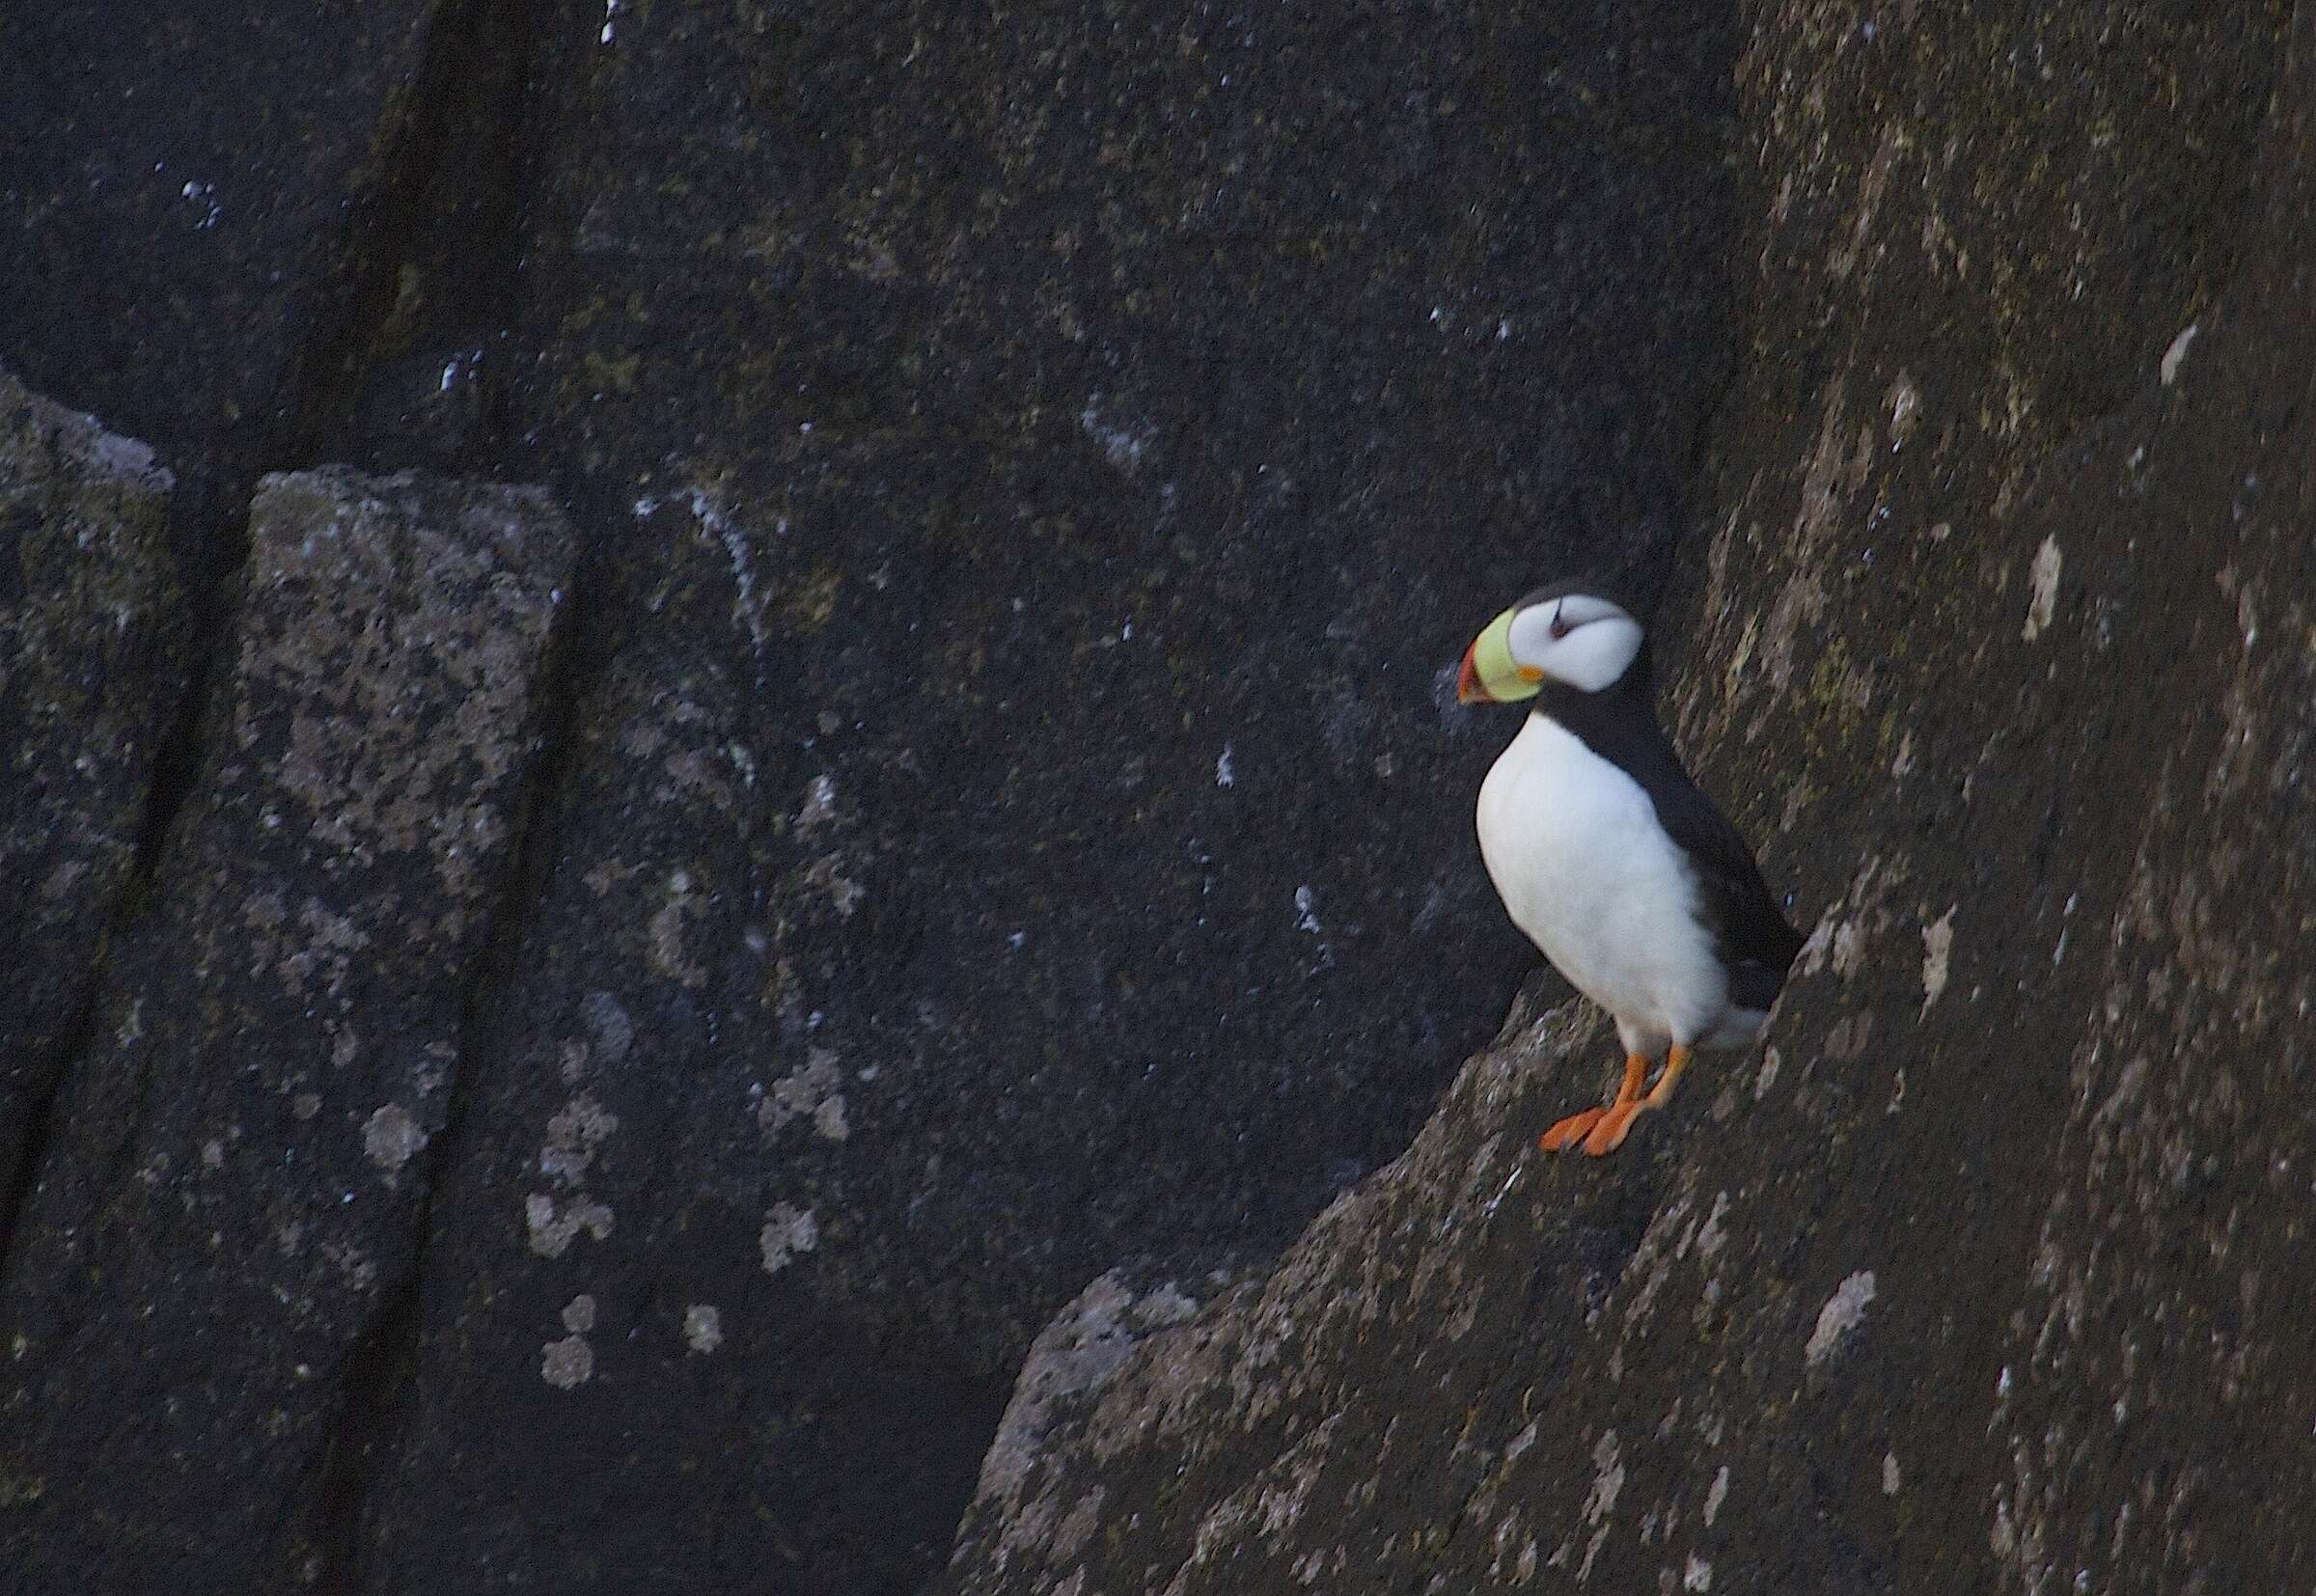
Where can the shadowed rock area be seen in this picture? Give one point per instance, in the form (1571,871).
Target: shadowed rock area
(179,189)
(1982,1274)
(1040,474)
(1029,471)
(578,1035)
(91,657)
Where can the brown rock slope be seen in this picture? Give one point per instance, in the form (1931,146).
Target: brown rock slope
(1988,1272)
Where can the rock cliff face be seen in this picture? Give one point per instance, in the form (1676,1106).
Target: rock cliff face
(575,1037)
(1983,1274)
(585,1053)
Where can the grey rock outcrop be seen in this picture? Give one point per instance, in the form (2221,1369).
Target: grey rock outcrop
(232,1193)
(1982,1274)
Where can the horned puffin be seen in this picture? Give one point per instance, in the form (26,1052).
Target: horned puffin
(1608,856)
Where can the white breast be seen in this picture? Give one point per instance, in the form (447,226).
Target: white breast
(1576,851)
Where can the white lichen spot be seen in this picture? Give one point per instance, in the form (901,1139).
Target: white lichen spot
(612,1032)
(568,1362)
(2177,352)
(1608,1478)
(574,1131)
(789,1232)
(1889,1473)
(1123,445)
(391,1137)
(1771,1058)
(703,1328)
(579,1314)
(811,1091)
(552,1228)
(827,875)
(1938,946)
(1716,1494)
(1842,1314)
(1224,775)
(1697,1575)
(668,957)
(820,806)
(1849,946)
(203,195)
(2042,587)
(750,604)
(1307,916)
(1711,1238)
(1601,1499)
(1905,410)
(2247,614)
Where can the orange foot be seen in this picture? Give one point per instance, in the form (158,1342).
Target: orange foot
(1571,1130)
(1614,1125)
(1603,1129)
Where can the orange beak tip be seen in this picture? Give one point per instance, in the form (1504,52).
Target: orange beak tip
(1468,689)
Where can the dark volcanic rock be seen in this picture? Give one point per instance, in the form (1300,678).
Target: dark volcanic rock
(232,1186)
(1984,1274)
(1048,462)
(1123,464)
(92,655)
(1005,817)
(179,186)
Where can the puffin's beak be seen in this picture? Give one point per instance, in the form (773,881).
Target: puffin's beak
(1468,689)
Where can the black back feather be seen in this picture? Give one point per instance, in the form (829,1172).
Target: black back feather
(1750,932)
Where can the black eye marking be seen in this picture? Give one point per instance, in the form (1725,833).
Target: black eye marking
(1559,627)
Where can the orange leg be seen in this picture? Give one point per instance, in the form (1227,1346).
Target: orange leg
(1570,1130)
(1608,1135)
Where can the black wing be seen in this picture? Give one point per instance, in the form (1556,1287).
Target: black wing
(1755,940)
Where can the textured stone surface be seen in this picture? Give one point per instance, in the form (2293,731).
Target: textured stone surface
(1981,1275)
(1017,820)
(91,654)
(1106,467)
(232,1187)
(1002,816)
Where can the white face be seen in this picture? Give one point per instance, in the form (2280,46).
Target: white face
(1585,642)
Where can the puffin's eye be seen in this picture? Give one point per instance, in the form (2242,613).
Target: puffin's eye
(1560,625)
